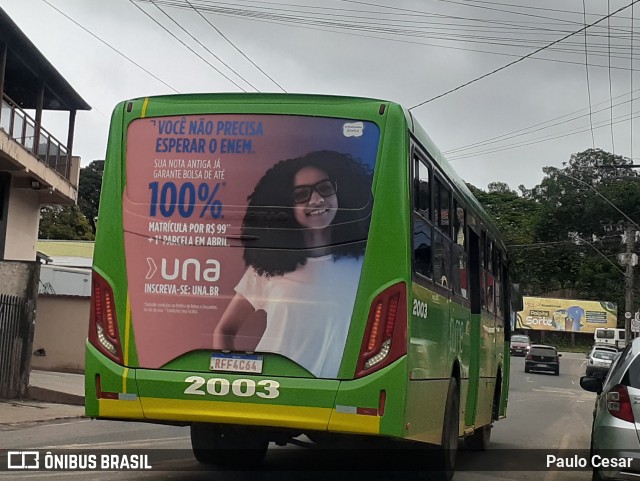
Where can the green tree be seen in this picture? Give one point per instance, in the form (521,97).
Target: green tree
(585,207)
(517,218)
(64,223)
(89,191)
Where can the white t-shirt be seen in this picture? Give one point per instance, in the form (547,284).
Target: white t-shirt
(308,311)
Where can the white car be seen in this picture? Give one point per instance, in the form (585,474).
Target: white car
(599,360)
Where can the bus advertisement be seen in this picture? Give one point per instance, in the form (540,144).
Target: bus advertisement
(270,266)
(566,315)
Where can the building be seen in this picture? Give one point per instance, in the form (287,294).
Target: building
(64,299)
(35,169)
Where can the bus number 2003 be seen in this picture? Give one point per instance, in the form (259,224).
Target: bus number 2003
(217,386)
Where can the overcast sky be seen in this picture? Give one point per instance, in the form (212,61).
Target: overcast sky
(534,113)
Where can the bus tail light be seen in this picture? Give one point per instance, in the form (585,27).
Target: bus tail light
(385,337)
(619,404)
(103,323)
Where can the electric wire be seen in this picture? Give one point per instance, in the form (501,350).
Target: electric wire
(206,48)
(613,144)
(235,46)
(586,66)
(631,107)
(538,140)
(562,120)
(112,47)
(519,59)
(185,45)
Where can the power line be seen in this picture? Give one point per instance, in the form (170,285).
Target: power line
(536,127)
(520,59)
(613,144)
(187,46)
(586,66)
(631,58)
(535,141)
(111,47)
(234,46)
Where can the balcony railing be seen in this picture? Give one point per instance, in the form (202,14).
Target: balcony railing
(22,128)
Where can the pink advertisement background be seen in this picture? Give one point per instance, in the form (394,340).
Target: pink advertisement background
(168,325)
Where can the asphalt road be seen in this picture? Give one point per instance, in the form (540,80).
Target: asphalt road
(546,413)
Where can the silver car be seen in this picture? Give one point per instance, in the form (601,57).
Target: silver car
(615,434)
(599,360)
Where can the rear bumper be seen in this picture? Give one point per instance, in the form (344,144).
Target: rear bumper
(597,371)
(304,404)
(542,366)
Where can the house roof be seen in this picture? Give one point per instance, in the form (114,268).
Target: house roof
(27,69)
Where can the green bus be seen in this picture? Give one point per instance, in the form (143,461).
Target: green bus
(273,265)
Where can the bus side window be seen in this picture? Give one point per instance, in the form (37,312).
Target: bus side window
(489,279)
(498,287)
(442,200)
(422,247)
(459,254)
(483,265)
(422,193)
(441,259)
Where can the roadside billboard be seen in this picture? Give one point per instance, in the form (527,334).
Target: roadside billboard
(567,315)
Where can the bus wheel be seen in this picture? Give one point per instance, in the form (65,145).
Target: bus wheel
(448,450)
(227,445)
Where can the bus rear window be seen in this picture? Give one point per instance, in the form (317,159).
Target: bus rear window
(247,233)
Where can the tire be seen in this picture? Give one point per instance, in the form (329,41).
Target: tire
(448,450)
(556,372)
(227,446)
(526,369)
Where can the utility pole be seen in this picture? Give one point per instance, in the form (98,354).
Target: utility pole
(630,261)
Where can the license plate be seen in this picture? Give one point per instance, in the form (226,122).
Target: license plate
(542,365)
(236,363)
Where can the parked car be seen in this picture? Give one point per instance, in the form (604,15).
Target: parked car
(520,344)
(615,432)
(599,360)
(542,358)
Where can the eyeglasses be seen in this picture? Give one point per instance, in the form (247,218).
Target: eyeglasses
(302,193)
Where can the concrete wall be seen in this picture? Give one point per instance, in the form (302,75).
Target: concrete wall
(62,323)
(22,225)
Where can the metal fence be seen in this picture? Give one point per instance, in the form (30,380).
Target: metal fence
(14,339)
(18,295)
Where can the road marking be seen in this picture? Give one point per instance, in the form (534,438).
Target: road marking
(133,442)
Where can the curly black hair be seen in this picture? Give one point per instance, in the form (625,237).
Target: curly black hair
(273,239)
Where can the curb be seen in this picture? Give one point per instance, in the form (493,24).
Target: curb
(48,395)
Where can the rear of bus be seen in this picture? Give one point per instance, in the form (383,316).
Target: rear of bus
(235,294)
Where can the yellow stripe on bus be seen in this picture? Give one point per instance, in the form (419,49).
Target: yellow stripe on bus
(144,107)
(296,417)
(354,423)
(118,408)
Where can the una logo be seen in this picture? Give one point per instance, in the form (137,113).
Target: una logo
(23,460)
(186,269)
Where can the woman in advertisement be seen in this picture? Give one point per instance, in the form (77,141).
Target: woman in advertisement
(304,235)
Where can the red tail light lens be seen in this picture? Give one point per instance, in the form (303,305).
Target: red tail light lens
(103,323)
(619,404)
(385,337)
